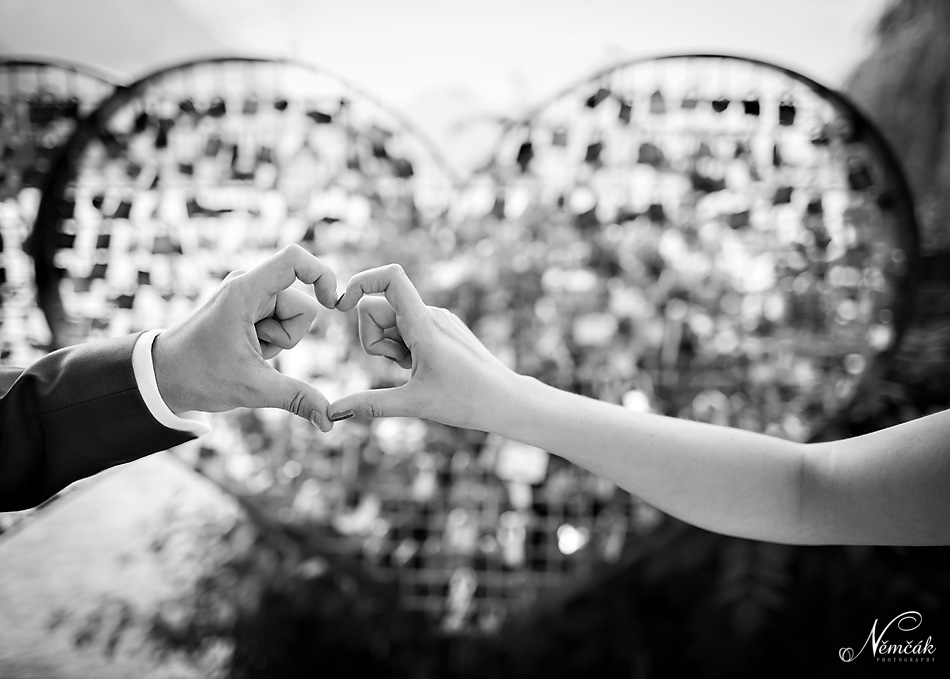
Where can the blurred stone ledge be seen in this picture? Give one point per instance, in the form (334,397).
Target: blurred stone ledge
(81,582)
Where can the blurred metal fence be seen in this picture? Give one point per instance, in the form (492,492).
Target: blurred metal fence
(41,104)
(703,236)
(747,231)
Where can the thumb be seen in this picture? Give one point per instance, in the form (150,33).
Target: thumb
(374,403)
(297,397)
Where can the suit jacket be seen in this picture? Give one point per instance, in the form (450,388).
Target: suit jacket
(72,414)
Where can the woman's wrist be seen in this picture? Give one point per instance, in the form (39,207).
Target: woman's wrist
(518,412)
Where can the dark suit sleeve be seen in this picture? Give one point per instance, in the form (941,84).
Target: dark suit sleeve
(70,415)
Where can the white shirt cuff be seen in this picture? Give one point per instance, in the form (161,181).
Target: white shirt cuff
(191,422)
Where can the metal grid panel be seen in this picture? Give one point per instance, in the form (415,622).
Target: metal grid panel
(210,166)
(749,233)
(40,106)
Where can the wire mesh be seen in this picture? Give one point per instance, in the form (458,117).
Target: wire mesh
(41,104)
(212,166)
(748,233)
(633,240)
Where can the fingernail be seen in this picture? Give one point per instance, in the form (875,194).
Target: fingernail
(340,299)
(315,421)
(342,415)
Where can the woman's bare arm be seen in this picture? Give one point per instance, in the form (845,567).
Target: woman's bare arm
(888,487)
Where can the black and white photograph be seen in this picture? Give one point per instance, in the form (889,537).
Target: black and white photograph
(485,340)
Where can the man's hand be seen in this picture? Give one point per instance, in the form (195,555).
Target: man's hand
(215,359)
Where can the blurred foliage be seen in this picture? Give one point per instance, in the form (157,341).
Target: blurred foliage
(698,604)
(686,602)
(281,606)
(903,85)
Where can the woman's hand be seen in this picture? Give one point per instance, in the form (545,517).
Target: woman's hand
(216,359)
(454,379)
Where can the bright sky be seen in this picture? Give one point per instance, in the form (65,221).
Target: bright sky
(441,62)
(513,49)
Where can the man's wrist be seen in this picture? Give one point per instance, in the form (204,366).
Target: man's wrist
(169,386)
(171,413)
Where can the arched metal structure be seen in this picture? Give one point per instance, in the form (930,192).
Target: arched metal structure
(41,103)
(210,166)
(674,234)
(241,153)
(748,232)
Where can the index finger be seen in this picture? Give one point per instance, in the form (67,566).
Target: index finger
(279,271)
(390,280)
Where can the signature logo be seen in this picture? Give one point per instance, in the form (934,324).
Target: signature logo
(903,651)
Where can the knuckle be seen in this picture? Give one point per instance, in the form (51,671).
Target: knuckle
(287,254)
(296,403)
(427,317)
(440,316)
(231,287)
(395,270)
